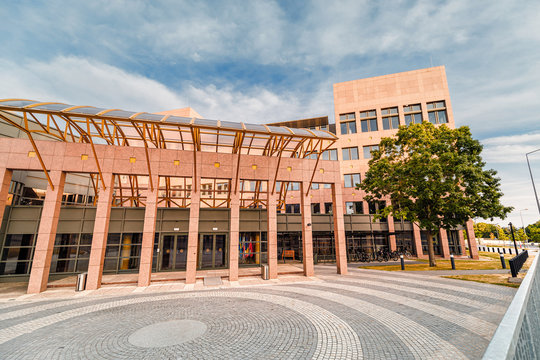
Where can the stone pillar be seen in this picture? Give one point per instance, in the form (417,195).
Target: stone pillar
(5,181)
(41,264)
(339,228)
(391,238)
(271,216)
(101,230)
(149,233)
(307,230)
(193,236)
(417,241)
(234,236)
(443,241)
(462,242)
(471,239)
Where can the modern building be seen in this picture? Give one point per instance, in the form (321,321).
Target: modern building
(110,191)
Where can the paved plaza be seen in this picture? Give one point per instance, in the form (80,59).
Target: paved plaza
(367,314)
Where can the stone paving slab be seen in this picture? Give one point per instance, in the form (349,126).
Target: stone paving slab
(365,314)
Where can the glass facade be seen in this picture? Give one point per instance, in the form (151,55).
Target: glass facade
(17,254)
(123,252)
(436,245)
(252,248)
(71,253)
(323,246)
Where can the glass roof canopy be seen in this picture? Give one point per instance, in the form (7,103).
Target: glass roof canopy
(125,128)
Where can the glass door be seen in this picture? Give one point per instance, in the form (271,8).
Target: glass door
(173,252)
(212,251)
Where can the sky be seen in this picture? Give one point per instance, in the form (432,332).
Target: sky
(269,61)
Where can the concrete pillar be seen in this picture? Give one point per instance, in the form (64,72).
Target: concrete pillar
(339,228)
(417,241)
(193,236)
(5,181)
(462,242)
(307,230)
(149,233)
(234,236)
(101,230)
(271,215)
(391,238)
(471,239)
(443,241)
(41,264)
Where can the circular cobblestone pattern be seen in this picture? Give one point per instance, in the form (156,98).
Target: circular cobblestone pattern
(167,333)
(366,314)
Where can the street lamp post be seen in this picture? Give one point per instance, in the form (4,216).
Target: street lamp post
(532,179)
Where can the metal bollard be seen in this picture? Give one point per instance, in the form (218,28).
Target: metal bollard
(402,262)
(81,282)
(503,263)
(452,262)
(504,250)
(265,274)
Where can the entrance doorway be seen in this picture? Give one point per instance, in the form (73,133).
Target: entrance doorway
(212,251)
(173,252)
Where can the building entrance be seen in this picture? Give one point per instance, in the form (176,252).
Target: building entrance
(212,251)
(173,252)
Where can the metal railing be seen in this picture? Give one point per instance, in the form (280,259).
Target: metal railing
(517,262)
(518,333)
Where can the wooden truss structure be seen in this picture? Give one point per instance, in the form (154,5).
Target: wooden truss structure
(87,124)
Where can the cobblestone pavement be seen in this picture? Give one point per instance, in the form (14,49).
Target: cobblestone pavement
(367,314)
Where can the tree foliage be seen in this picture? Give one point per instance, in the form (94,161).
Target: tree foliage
(533,231)
(434,177)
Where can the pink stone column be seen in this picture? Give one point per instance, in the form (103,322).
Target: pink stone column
(471,239)
(101,230)
(339,228)
(234,236)
(391,238)
(5,181)
(462,242)
(417,241)
(271,216)
(443,240)
(149,233)
(41,264)
(193,236)
(307,230)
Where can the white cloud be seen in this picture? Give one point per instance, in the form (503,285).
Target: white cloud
(79,81)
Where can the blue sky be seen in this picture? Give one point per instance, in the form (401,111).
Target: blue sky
(266,61)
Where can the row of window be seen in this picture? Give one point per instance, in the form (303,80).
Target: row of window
(350,153)
(390,118)
(351,207)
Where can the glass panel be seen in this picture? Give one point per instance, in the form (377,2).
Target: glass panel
(349,208)
(13,267)
(120,114)
(432,117)
(333,154)
(220,251)
(367,152)
(17,103)
(417,118)
(53,107)
(364,125)
(110,264)
(354,153)
(16,254)
(82,265)
(386,123)
(111,251)
(86,239)
(373,125)
(348,181)
(181,252)
(19,240)
(442,117)
(63,266)
(356,179)
(395,122)
(207,249)
(86,110)
(345,153)
(256,127)
(352,127)
(146,116)
(343,128)
(66,239)
(167,252)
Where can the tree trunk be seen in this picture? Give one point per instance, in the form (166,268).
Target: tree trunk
(431,251)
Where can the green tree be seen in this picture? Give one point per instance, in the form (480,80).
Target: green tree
(501,234)
(533,231)
(434,177)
